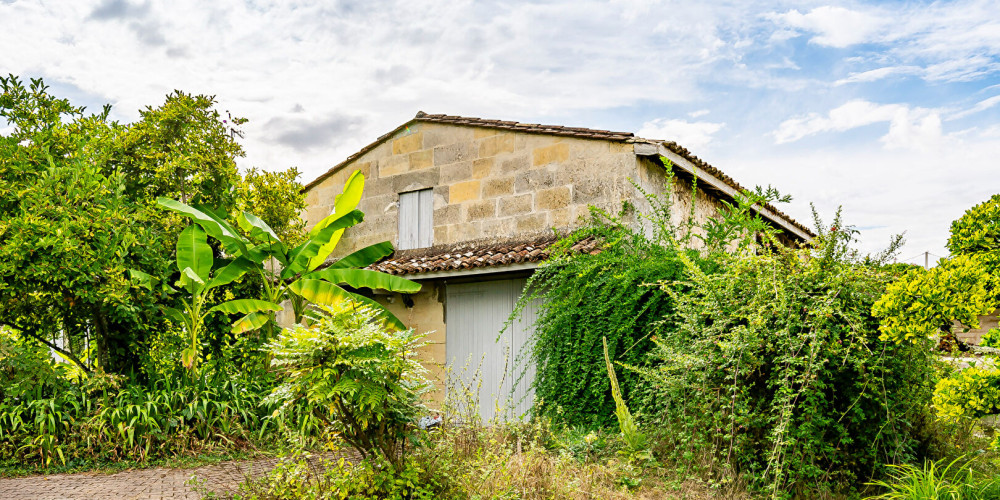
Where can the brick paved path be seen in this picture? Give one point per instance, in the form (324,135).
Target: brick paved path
(147,484)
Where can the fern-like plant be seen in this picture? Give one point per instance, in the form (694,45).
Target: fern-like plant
(357,374)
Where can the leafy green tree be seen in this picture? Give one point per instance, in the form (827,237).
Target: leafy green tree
(277,198)
(924,304)
(68,232)
(183,149)
(77,211)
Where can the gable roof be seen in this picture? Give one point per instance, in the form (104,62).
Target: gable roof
(577,132)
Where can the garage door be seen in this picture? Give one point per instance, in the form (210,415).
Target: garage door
(489,364)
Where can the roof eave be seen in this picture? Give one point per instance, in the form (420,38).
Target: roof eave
(657,149)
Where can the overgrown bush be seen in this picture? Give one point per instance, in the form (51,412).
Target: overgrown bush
(357,375)
(776,374)
(585,298)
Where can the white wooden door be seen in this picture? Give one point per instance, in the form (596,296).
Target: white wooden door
(484,363)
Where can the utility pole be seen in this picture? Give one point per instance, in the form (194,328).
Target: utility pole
(927,256)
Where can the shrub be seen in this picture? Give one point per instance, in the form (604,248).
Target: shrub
(991,338)
(971,393)
(313,479)
(776,374)
(357,375)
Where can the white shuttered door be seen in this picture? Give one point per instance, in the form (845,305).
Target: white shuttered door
(476,313)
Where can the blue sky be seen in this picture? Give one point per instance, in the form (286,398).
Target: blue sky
(889,109)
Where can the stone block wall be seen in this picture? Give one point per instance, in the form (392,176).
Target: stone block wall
(488,183)
(425,316)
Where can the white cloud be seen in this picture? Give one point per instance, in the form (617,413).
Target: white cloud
(878,74)
(697,113)
(692,135)
(835,26)
(980,106)
(909,128)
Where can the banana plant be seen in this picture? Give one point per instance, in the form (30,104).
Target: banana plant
(195,262)
(293,273)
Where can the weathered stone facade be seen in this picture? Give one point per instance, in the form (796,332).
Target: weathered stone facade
(488,183)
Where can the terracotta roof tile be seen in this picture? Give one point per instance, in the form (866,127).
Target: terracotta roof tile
(474,254)
(718,174)
(534,128)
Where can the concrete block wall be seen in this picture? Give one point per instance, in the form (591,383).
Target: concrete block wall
(488,183)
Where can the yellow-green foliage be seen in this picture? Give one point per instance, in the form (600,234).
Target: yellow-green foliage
(978,230)
(924,303)
(972,393)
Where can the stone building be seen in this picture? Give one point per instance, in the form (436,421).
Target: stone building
(471,206)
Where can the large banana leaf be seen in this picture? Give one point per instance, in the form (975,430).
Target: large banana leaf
(303,255)
(250,322)
(363,278)
(246,306)
(343,204)
(215,226)
(324,292)
(238,267)
(191,281)
(364,257)
(263,234)
(193,251)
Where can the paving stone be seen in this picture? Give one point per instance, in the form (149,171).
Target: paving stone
(147,484)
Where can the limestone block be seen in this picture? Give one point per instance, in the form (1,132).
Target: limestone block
(555,153)
(453,153)
(382,204)
(421,179)
(532,223)
(590,190)
(553,198)
(440,135)
(447,215)
(496,144)
(564,218)
(517,163)
(393,165)
(516,205)
(622,147)
(481,132)
(465,231)
(312,197)
(534,180)
(380,186)
(408,143)
(487,147)
(479,210)
(422,159)
(440,234)
(498,186)
(482,167)
(441,196)
(500,228)
(505,142)
(464,191)
(456,172)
